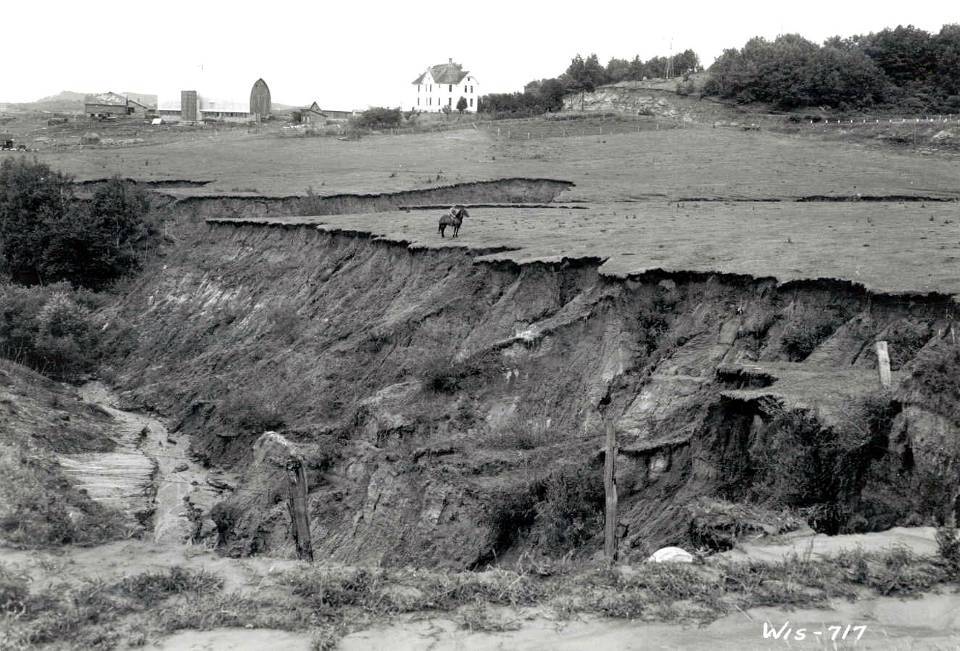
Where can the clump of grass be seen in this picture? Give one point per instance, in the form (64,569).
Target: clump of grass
(807,327)
(518,434)
(948,546)
(571,512)
(151,588)
(89,615)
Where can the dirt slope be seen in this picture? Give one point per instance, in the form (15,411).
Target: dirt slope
(445,402)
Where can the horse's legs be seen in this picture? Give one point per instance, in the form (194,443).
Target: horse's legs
(443,227)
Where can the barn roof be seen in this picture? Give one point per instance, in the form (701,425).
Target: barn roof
(106,99)
(445,73)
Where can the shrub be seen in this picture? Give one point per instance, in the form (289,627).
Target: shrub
(936,379)
(47,234)
(448,376)
(806,328)
(831,463)
(50,329)
(571,512)
(948,546)
(252,412)
(379,118)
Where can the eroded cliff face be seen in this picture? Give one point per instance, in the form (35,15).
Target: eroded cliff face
(450,411)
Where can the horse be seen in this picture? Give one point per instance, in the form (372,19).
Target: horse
(453,218)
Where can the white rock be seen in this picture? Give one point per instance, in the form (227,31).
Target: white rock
(670,555)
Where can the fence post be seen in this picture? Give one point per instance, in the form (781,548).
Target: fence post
(299,514)
(883,364)
(610,490)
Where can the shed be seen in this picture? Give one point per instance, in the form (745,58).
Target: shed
(312,115)
(104,104)
(6,140)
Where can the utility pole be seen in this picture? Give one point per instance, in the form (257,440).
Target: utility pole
(610,490)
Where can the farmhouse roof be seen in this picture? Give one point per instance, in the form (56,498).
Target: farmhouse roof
(106,99)
(315,108)
(444,73)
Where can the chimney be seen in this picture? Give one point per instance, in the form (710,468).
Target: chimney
(449,59)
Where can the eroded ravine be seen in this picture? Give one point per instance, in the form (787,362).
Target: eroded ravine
(150,475)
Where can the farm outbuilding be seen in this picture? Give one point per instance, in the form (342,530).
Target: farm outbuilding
(193,106)
(6,141)
(338,116)
(106,104)
(260,100)
(312,115)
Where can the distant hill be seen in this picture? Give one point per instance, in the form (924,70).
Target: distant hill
(67,101)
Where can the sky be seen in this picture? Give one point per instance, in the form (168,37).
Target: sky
(348,55)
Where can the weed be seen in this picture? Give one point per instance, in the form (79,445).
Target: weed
(571,512)
(518,434)
(948,546)
(806,328)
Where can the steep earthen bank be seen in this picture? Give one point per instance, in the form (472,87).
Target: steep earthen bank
(450,410)
(506,190)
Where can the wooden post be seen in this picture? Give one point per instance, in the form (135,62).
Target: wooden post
(883,364)
(610,490)
(298,509)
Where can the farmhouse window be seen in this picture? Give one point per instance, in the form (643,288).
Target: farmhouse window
(450,88)
(471,101)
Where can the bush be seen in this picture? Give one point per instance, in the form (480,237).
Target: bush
(830,466)
(47,234)
(948,546)
(379,118)
(806,328)
(50,329)
(251,412)
(571,512)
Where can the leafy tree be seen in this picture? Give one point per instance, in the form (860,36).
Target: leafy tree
(379,117)
(584,75)
(685,63)
(618,70)
(462,105)
(47,234)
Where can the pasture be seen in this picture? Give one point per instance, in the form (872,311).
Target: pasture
(685,162)
(685,198)
(887,247)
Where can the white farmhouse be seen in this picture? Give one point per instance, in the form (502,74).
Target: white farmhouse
(444,85)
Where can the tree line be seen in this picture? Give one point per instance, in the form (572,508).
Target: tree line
(583,75)
(905,68)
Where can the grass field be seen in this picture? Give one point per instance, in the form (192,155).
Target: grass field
(891,247)
(631,181)
(696,161)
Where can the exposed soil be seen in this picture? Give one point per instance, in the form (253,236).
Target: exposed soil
(149,475)
(399,370)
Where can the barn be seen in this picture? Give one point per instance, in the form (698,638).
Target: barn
(193,106)
(312,115)
(260,100)
(104,104)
